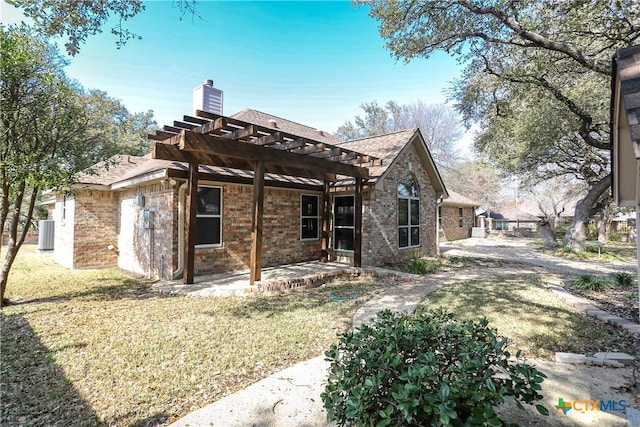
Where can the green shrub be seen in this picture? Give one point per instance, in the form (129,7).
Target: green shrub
(425,369)
(623,279)
(560,231)
(589,282)
(422,265)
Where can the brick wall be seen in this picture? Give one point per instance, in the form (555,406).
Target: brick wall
(281,242)
(92,215)
(135,254)
(380,221)
(450,224)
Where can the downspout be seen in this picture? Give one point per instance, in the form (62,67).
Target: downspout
(178,272)
(438,219)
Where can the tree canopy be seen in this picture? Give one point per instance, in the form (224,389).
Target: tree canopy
(50,129)
(76,20)
(536,79)
(439,125)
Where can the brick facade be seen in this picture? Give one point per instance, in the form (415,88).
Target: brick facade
(450,228)
(85,225)
(380,215)
(281,243)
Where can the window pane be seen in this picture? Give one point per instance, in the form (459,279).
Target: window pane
(208,231)
(415,236)
(343,211)
(208,201)
(415,212)
(343,239)
(309,228)
(403,237)
(407,188)
(403,212)
(309,205)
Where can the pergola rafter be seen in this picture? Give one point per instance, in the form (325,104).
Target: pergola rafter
(215,140)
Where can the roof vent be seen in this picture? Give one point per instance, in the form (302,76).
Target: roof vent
(207,98)
(321,132)
(272,123)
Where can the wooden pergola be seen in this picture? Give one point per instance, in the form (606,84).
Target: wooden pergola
(215,140)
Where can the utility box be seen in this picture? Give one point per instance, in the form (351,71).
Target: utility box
(147,219)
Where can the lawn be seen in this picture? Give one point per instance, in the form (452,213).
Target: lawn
(96,347)
(521,308)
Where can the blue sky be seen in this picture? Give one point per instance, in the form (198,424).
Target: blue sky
(310,62)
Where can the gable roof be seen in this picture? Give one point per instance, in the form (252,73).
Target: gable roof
(131,170)
(268,120)
(456,199)
(388,147)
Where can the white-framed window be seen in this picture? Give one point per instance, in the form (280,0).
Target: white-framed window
(460,217)
(64,208)
(209,216)
(309,217)
(408,214)
(343,222)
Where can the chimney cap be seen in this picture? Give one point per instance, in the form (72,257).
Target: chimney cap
(272,123)
(208,82)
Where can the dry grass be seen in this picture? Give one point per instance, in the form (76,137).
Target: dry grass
(95,347)
(536,321)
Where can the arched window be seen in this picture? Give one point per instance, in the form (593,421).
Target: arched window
(408,213)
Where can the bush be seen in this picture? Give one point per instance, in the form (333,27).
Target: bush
(588,282)
(623,279)
(560,231)
(425,369)
(422,265)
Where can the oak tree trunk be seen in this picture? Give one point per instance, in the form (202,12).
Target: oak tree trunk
(576,235)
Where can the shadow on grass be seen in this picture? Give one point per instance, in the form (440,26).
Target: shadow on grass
(34,390)
(539,320)
(125,289)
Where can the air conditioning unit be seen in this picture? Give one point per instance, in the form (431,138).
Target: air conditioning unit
(46,235)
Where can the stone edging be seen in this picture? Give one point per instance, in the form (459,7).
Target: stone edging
(318,279)
(587,307)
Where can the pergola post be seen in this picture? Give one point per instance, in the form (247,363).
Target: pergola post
(255,263)
(191,207)
(326,213)
(357,235)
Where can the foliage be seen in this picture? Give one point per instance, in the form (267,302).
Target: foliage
(475,178)
(519,305)
(537,79)
(51,130)
(439,125)
(424,369)
(623,279)
(96,343)
(590,282)
(421,265)
(76,20)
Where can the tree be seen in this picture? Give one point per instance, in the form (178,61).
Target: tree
(517,52)
(50,130)
(76,20)
(439,124)
(477,179)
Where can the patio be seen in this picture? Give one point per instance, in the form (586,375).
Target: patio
(274,279)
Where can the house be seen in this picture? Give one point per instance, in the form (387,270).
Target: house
(456,217)
(625,131)
(269,191)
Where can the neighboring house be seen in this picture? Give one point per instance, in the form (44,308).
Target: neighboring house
(135,214)
(456,217)
(625,131)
